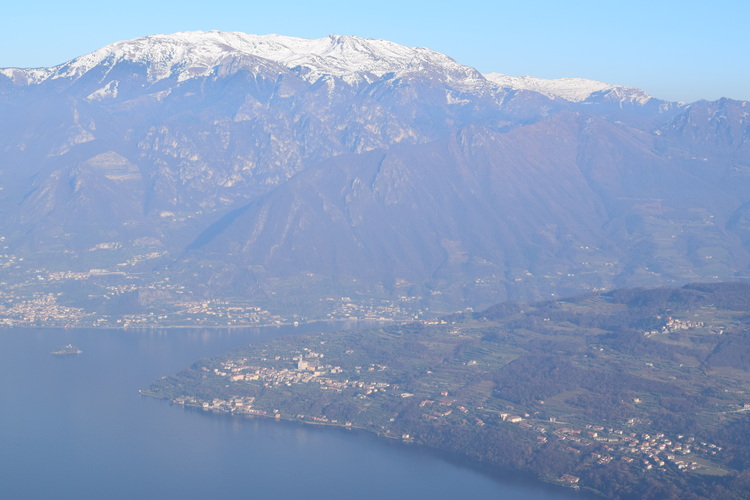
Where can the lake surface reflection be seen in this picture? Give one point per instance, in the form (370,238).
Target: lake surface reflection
(76,427)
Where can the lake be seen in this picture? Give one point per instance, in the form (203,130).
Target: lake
(76,427)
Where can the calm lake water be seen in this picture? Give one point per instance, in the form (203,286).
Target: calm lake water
(76,427)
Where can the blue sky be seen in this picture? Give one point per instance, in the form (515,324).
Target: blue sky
(686,50)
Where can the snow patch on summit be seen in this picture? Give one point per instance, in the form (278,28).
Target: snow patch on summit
(26,76)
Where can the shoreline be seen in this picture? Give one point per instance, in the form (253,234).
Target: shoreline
(205,327)
(500,473)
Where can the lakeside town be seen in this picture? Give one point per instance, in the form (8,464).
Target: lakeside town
(652,451)
(125,296)
(325,380)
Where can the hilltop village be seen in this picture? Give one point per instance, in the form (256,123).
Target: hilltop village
(566,390)
(592,444)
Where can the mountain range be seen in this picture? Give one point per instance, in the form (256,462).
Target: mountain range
(257,166)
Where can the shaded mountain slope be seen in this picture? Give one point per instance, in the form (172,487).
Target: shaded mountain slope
(573,202)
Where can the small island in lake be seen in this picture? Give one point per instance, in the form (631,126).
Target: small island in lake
(627,394)
(67,350)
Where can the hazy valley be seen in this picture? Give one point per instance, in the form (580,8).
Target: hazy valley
(298,176)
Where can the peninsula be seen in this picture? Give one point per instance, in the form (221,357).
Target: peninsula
(629,394)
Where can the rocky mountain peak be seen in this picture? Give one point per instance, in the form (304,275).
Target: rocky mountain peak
(194,54)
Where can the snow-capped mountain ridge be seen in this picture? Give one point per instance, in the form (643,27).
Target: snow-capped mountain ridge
(194,54)
(570,89)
